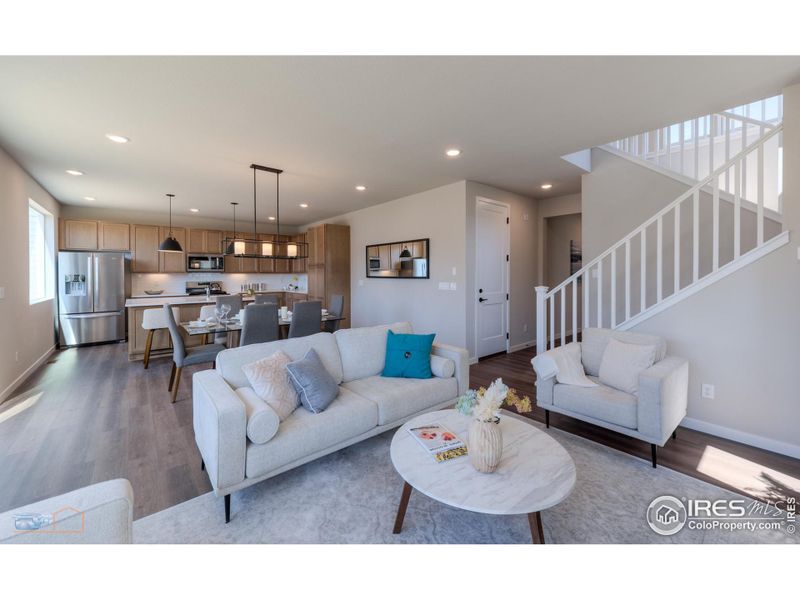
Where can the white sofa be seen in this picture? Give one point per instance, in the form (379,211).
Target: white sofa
(224,404)
(652,414)
(96,514)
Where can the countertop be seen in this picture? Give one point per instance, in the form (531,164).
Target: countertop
(138,301)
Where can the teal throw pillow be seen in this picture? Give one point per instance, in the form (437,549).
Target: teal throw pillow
(408,355)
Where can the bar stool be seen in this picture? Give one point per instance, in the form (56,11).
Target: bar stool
(154,319)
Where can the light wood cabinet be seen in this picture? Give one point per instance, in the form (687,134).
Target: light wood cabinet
(115,236)
(330,272)
(299,265)
(144,248)
(162,343)
(266,265)
(77,234)
(204,241)
(234,264)
(172,262)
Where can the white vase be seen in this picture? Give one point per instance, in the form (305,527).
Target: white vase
(485,445)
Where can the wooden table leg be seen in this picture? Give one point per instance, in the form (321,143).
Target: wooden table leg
(401,510)
(535,521)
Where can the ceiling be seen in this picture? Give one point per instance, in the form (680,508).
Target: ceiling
(197,123)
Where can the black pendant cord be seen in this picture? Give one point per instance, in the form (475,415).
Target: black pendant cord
(170,196)
(234,219)
(278,202)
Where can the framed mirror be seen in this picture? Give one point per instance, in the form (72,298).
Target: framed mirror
(399,260)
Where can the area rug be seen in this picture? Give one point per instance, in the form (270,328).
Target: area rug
(351,496)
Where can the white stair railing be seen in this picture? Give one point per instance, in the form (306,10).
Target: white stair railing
(682,247)
(695,148)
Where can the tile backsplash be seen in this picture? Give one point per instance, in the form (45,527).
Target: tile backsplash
(175,283)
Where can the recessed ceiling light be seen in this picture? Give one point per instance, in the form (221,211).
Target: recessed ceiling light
(74,172)
(119,139)
(271,218)
(453,152)
(194,210)
(361,188)
(304,205)
(89,198)
(547,186)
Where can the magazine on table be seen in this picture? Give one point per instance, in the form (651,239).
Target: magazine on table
(439,442)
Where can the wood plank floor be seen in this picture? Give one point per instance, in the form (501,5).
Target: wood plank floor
(91,415)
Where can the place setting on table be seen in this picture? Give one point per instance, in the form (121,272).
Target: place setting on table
(222,322)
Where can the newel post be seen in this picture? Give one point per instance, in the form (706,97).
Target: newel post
(541,318)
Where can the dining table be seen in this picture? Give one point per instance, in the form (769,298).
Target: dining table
(233,326)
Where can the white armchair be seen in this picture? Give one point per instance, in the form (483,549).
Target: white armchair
(652,414)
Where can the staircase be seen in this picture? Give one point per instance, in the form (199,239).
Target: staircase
(729,217)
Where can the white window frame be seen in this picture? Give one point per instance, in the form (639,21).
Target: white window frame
(48,254)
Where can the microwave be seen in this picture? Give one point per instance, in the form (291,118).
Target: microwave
(205,263)
(374,263)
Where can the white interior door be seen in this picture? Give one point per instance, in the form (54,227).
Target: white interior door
(491,277)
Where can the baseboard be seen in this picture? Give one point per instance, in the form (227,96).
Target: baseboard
(6,393)
(522,346)
(473,360)
(742,437)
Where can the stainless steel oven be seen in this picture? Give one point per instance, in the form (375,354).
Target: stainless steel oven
(205,263)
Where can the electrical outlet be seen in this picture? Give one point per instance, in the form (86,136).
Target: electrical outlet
(453,286)
(525,217)
(454,271)
(707,391)
(2,293)
(444,285)
(360,283)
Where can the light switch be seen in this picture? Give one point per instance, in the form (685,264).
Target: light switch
(454,271)
(444,285)
(525,217)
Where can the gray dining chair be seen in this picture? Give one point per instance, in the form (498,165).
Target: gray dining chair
(235,302)
(183,356)
(336,307)
(267,299)
(306,319)
(260,324)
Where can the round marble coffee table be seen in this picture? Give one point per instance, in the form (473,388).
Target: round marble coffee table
(535,471)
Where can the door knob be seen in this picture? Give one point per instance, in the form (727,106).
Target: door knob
(481,299)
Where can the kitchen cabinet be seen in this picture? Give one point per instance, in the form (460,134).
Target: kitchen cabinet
(78,234)
(172,262)
(385,254)
(114,236)
(266,265)
(144,249)
(299,265)
(292,297)
(330,272)
(204,241)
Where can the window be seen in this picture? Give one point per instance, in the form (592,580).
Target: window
(40,253)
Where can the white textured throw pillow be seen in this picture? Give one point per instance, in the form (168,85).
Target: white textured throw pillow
(622,363)
(270,382)
(570,369)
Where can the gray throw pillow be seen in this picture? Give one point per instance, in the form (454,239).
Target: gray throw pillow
(315,386)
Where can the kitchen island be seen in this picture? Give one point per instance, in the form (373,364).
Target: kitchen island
(188,309)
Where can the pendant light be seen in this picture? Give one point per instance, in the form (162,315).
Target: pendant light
(265,249)
(236,246)
(170,244)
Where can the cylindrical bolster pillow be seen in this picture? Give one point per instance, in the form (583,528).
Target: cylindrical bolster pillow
(442,367)
(262,421)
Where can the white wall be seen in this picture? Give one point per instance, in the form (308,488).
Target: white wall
(27,332)
(741,334)
(524,274)
(437,214)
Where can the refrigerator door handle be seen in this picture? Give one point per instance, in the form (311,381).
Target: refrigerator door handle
(102,315)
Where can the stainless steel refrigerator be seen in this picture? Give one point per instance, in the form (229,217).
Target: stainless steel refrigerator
(92,287)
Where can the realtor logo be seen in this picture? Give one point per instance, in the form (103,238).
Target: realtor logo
(666,515)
